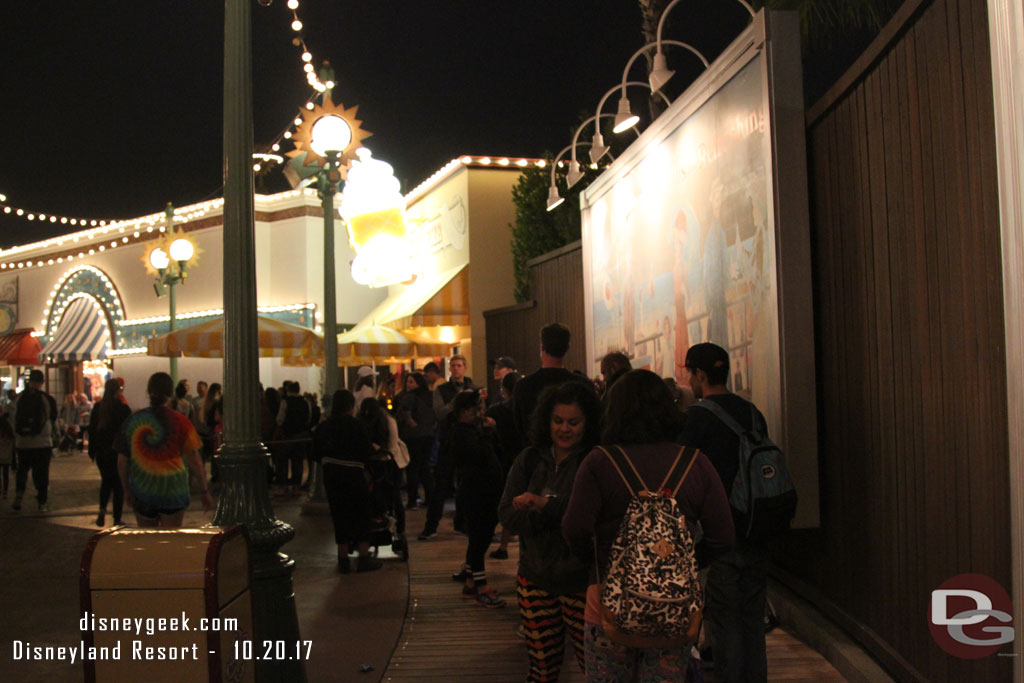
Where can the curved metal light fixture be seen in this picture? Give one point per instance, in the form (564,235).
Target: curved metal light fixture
(660,73)
(598,149)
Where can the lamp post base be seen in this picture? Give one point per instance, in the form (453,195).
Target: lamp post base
(245,500)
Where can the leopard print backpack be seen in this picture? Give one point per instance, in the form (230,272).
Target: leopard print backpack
(651,597)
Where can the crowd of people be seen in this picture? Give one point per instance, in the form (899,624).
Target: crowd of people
(532,459)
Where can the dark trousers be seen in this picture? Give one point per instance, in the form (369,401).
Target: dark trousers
(480,537)
(5,478)
(736,592)
(285,453)
(418,471)
(110,484)
(37,460)
(443,474)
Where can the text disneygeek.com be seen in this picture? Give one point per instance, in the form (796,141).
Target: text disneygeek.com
(135,648)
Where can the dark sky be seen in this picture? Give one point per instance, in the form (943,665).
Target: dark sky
(112,109)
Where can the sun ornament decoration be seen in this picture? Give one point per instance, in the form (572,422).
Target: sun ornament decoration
(328,116)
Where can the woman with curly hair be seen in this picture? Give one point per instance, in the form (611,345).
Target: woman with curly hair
(552,581)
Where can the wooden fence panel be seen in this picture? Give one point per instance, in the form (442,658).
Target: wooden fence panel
(908,297)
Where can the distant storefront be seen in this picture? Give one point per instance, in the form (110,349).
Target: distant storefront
(82,305)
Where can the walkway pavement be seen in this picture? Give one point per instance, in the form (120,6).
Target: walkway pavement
(364,627)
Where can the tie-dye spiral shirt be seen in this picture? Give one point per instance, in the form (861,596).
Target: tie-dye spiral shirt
(156,440)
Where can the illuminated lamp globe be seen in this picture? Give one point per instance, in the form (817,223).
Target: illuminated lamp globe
(330,134)
(158,259)
(181,249)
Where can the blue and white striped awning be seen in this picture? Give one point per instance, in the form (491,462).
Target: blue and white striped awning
(82,334)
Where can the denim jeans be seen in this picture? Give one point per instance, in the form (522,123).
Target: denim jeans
(37,460)
(734,614)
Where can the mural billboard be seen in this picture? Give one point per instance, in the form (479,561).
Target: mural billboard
(683,238)
(682,246)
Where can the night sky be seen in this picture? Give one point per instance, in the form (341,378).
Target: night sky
(111,109)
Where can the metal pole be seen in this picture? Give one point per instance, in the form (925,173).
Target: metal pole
(174,312)
(242,459)
(328,187)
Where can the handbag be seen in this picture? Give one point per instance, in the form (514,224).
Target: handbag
(402,456)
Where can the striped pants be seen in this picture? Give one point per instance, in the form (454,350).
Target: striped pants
(546,618)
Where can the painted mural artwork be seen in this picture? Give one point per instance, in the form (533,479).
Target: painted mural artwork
(683,246)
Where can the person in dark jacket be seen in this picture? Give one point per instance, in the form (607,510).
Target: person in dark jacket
(551,581)
(642,419)
(341,445)
(105,422)
(482,478)
(502,419)
(417,427)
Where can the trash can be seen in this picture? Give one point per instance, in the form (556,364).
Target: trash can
(166,605)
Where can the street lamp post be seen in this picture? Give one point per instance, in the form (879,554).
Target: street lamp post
(242,459)
(330,136)
(171,266)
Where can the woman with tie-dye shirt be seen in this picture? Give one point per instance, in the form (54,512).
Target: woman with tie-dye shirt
(156,448)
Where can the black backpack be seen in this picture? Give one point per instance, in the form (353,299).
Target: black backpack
(763,497)
(31,416)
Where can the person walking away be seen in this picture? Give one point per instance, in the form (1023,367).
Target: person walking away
(84,410)
(480,494)
(417,427)
(197,405)
(444,472)
(382,430)
(35,429)
(737,581)
(156,447)
(105,421)
(341,446)
(551,581)
(641,420)
(67,422)
(502,419)
(293,417)
(6,454)
(554,344)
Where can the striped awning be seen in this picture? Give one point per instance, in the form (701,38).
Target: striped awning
(381,345)
(82,334)
(20,348)
(437,299)
(276,338)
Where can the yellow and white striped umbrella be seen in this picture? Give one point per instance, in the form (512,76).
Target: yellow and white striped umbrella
(378,344)
(277,339)
(377,340)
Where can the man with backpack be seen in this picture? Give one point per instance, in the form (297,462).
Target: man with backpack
(733,434)
(35,424)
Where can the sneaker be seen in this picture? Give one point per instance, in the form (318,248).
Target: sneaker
(469,592)
(499,554)
(427,535)
(462,575)
(488,598)
(43,507)
(101,520)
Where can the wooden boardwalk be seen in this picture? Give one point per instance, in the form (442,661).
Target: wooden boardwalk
(446,638)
